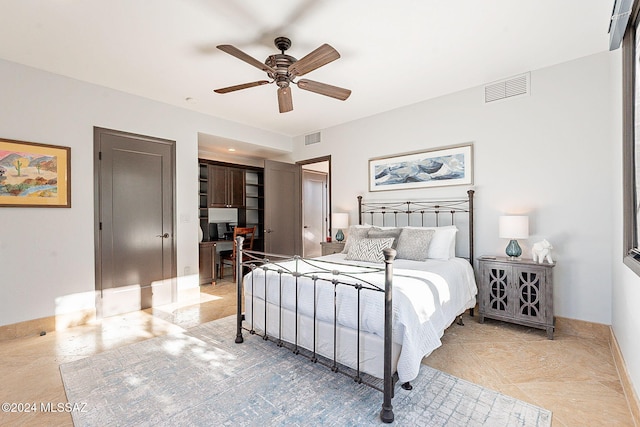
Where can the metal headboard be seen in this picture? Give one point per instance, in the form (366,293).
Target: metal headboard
(420,213)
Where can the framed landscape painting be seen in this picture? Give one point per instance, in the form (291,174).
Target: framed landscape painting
(432,168)
(34,175)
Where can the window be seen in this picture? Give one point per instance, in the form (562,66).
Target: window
(631,143)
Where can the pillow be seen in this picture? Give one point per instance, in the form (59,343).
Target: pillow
(378,233)
(356,232)
(369,250)
(380,226)
(443,242)
(413,244)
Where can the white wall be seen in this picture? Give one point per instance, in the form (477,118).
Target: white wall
(548,155)
(47,254)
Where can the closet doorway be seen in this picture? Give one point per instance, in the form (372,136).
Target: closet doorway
(316,204)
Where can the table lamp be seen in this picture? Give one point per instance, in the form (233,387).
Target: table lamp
(339,221)
(513,227)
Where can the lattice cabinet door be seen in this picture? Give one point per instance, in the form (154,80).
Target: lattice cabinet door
(497,297)
(530,289)
(517,291)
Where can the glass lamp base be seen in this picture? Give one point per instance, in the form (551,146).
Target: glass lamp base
(339,236)
(513,249)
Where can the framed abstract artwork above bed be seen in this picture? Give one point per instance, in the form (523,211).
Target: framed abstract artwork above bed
(432,168)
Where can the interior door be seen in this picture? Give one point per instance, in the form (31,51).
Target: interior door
(314,212)
(135,256)
(282,208)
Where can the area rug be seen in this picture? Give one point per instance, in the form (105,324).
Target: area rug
(201,377)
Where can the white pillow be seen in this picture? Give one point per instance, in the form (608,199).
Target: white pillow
(443,242)
(369,250)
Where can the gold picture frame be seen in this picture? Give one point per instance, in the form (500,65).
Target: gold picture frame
(34,175)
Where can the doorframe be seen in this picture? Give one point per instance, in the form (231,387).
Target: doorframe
(97,132)
(326,158)
(311,175)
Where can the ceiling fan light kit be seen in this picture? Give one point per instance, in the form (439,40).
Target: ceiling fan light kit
(282,69)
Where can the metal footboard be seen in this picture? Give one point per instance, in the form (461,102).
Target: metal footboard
(320,271)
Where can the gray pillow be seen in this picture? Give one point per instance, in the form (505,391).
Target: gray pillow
(356,232)
(369,250)
(413,244)
(378,233)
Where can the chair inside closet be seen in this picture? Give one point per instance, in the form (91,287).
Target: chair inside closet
(229,257)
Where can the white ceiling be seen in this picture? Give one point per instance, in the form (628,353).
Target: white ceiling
(394,53)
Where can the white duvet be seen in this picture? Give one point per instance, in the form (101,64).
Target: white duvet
(427,297)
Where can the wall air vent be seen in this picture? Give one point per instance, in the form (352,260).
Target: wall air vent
(512,87)
(312,138)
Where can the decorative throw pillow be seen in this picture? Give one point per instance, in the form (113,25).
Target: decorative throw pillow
(378,233)
(413,244)
(443,242)
(356,232)
(369,250)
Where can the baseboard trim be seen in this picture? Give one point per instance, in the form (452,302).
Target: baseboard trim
(46,324)
(63,321)
(583,329)
(629,392)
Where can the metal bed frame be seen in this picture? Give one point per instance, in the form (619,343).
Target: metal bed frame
(399,212)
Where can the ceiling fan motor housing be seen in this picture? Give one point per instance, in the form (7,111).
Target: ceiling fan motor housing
(280,63)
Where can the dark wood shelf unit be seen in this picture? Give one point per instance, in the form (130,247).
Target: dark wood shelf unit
(253,212)
(226,185)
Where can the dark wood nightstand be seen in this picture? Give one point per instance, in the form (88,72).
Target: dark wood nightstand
(329,248)
(517,291)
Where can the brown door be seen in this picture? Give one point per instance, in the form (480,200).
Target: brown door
(135,256)
(282,206)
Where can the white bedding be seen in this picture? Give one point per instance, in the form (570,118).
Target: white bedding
(427,297)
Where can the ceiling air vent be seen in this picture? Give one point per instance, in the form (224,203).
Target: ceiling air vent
(312,138)
(512,87)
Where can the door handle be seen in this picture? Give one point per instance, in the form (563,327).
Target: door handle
(164,236)
(268,230)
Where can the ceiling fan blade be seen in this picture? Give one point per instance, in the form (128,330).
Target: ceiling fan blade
(316,59)
(234,51)
(285,101)
(242,86)
(324,89)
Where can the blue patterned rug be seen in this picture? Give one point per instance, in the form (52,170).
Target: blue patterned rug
(201,377)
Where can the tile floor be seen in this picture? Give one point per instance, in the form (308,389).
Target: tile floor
(574,377)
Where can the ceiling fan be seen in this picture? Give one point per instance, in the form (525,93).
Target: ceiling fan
(283,69)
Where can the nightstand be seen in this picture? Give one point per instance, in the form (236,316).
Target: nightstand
(329,248)
(517,291)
